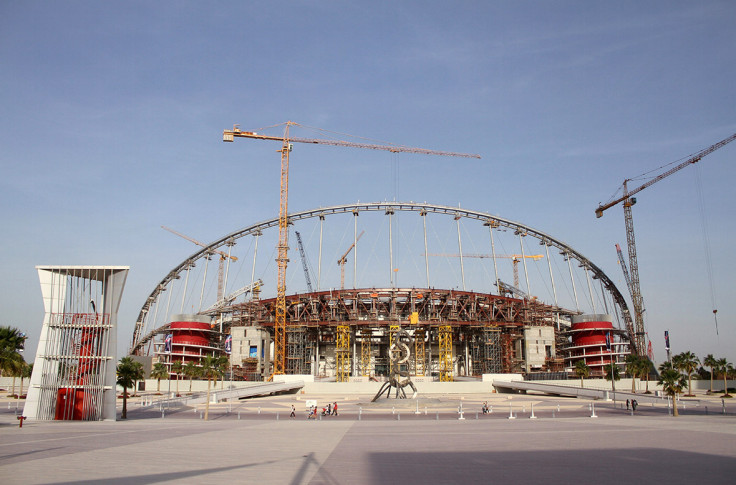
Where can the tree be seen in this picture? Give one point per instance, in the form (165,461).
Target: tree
(710,362)
(12,342)
(177,367)
(212,368)
(191,370)
(634,368)
(688,363)
(127,372)
(724,367)
(672,382)
(159,372)
(613,374)
(582,371)
(25,374)
(140,374)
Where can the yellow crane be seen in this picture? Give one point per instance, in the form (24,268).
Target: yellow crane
(516,259)
(223,257)
(282,259)
(638,334)
(343,259)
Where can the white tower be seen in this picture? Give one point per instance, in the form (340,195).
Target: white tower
(74,371)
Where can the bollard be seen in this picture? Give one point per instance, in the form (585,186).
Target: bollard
(359,416)
(523,409)
(490,409)
(201,416)
(393,410)
(511,412)
(20,420)
(558,408)
(437,416)
(259,409)
(532,416)
(277,416)
(398,417)
(592,413)
(425,410)
(553,415)
(460,412)
(417,411)
(476,415)
(238,415)
(163,414)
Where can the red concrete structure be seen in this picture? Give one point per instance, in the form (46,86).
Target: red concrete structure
(192,338)
(596,341)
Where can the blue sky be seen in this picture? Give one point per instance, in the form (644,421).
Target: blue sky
(113,114)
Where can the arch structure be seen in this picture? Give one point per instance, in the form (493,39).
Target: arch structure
(142,335)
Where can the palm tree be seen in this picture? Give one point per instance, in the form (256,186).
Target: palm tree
(634,368)
(582,371)
(127,372)
(710,362)
(688,363)
(176,368)
(613,374)
(672,382)
(140,374)
(724,367)
(159,372)
(646,369)
(191,370)
(25,374)
(212,368)
(12,341)
(13,364)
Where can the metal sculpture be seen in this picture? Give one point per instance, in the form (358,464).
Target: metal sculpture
(398,353)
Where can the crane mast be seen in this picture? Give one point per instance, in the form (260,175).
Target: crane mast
(304,261)
(343,259)
(638,338)
(279,362)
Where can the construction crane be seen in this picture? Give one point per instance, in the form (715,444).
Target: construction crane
(283,243)
(343,259)
(223,257)
(516,259)
(304,261)
(624,268)
(639,334)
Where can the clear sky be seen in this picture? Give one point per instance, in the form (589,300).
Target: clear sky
(112,117)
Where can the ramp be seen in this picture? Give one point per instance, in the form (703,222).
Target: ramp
(583,392)
(257,390)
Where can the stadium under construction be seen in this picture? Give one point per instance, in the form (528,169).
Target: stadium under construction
(364,332)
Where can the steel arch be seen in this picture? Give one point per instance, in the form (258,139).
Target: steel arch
(488,219)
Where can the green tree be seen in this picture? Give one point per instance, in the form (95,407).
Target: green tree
(12,342)
(710,362)
(582,371)
(25,374)
(191,370)
(724,367)
(672,382)
(634,368)
(212,369)
(140,374)
(613,374)
(177,367)
(159,372)
(688,363)
(127,373)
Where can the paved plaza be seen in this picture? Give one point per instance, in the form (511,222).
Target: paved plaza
(405,442)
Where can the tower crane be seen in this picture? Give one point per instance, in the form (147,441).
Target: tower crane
(516,259)
(304,261)
(343,259)
(638,334)
(283,243)
(223,257)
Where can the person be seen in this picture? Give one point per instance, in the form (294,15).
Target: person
(634,404)
(324,411)
(329,408)
(293,412)
(627,404)
(334,408)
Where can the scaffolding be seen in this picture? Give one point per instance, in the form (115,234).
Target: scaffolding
(486,351)
(342,353)
(445,363)
(296,349)
(365,351)
(393,330)
(419,353)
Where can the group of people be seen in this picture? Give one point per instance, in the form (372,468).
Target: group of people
(633,404)
(485,408)
(329,410)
